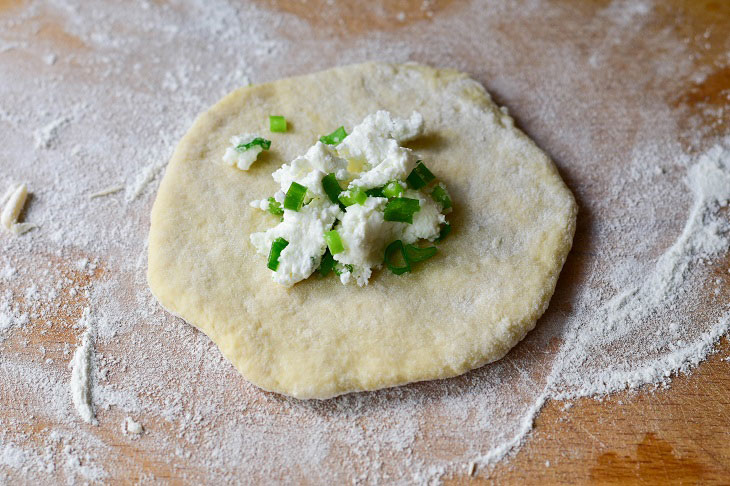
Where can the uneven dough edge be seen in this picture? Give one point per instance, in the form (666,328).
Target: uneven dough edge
(514,330)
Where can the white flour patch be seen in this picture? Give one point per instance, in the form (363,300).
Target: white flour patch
(130,427)
(143,179)
(81,372)
(46,136)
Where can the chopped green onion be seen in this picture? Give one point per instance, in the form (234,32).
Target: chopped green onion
(334,242)
(295,196)
(391,255)
(440,195)
(415,254)
(375,192)
(392,189)
(420,176)
(261,142)
(277,123)
(275,207)
(327,264)
(335,137)
(353,196)
(340,269)
(423,171)
(445,230)
(331,187)
(401,209)
(276,248)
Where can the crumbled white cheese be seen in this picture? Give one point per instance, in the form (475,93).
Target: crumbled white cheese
(242,160)
(309,169)
(365,234)
(375,145)
(426,221)
(262,204)
(369,157)
(304,230)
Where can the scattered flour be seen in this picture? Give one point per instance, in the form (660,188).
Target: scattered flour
(129,426)
(46,136)
(105,192)
(648,298)
(143,179)
(81,372)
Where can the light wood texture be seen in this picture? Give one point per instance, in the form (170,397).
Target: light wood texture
(679,435)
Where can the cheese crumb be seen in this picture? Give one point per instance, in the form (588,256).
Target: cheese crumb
(242,159)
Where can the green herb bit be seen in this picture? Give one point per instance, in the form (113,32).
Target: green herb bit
(295,196)
(375,192)
(394,253)
(261,142)
(276,248)
(275,207)
(331,187)
(401,209)
(335,137)
(334,242)
(415,254)
(353,196)
(440,195)
(392,189)
(327,264)
(445,230)
(420,176)
(277,123)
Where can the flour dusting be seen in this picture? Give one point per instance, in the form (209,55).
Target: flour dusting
(81,369)
(96,93)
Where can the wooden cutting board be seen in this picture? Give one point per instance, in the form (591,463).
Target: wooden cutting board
(679,435)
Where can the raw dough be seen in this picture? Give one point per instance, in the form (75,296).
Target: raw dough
(513,226)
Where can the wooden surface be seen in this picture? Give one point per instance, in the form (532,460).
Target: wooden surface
(679,435)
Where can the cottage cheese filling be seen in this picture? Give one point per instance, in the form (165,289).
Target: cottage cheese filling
(367,159)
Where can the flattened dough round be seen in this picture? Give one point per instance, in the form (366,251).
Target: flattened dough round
(513,226)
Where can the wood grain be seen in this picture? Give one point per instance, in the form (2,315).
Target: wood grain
(679,435)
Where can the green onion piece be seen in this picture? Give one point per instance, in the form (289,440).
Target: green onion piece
(440,195)
(423,171)
(331,187)
(277,123)
(295,196)
(276,247)
(391,256)
(445,230)
(327,264)
(275,207)
(392,189)
(261,142)
(353,196)
(420,176)
(334,242)
(375,192)
(335,137)
(401,209)
(415,254)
